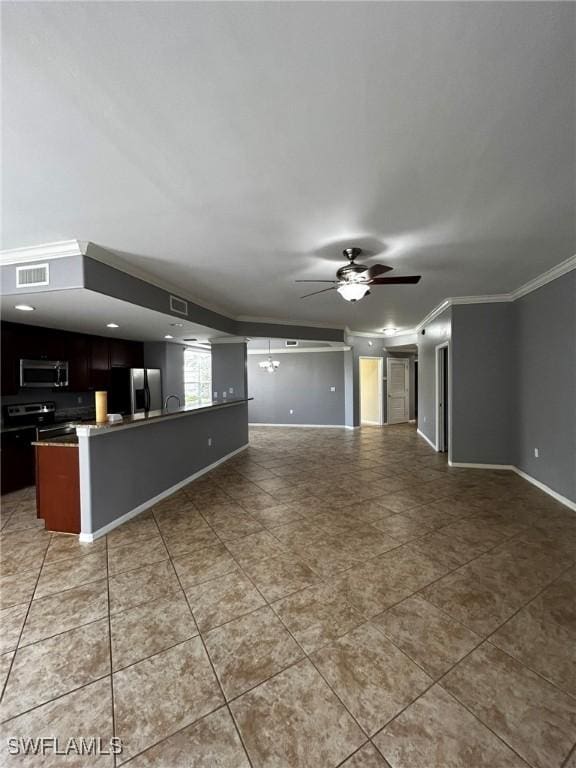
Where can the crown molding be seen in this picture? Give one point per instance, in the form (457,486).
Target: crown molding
(58,250)
(546,277)
(228,340)
(298,351)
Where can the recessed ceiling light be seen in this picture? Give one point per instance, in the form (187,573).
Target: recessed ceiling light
(112,325)
(177,325)
(389,331)
(24,307)
(167,336)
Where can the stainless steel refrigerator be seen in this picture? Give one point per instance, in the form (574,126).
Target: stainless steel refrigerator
(135,390)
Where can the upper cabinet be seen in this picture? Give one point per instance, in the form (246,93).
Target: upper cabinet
(126,354)
(90,358)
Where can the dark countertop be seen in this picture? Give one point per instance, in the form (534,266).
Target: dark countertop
(139,419)
(66,441)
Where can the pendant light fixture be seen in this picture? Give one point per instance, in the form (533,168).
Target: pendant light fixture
(269,365)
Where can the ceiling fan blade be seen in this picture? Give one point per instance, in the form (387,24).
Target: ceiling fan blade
(377,269)
(315,281)
(410,279)
(316,292)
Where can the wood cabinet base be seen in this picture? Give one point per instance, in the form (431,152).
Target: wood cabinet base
(58,487)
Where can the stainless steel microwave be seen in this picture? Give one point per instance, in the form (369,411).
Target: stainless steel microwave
(50,374)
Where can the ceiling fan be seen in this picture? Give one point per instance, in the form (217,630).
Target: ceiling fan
(353,281)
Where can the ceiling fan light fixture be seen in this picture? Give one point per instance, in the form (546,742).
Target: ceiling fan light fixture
(353,291)
(389,331)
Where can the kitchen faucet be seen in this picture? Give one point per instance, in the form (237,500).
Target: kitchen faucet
(168,400)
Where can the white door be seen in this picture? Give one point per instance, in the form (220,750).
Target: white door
(398,390)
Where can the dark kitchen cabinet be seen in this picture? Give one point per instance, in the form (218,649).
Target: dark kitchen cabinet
(9,367)
(99,363)
(17,459)
(78,356)
(126,354)
(90,358)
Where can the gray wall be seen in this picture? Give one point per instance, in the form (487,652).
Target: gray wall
(546,392)
(131,466)
(229,369)
(302,383)
(483,383)
(170,359)
(438,331)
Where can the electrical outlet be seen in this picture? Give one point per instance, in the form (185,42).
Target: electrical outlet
(332,389)
(215,395)
(231,390)
(291,411)
(224,394)
(79,399)
(536,453)
(209,442)
(424,419)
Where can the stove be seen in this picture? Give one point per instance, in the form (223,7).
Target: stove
(29,414)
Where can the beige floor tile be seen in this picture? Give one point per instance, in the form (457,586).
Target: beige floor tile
(58,613)
(18,588)
(277,577)
(52,667)
(179,544)
(536,719)
(299,533)
(141,526)
(371,676)
(295,720)
(437,732)
(256,546)
(212,742)
(5,662)
(430,637)
(275,515)
(141,585)
(86,713)
(557,603)
(11,623)
(158,696)
(366,757)
(249,650)
(65,574)
(142,551)
(231,526)
(403,528)
(150,628)
(203,565)
(544,646)
(480,599)
(450,550)
(65,546)
(222,599)
(317,615)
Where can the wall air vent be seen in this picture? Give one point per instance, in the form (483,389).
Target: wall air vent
(291,343)
(179,306)
(32,274)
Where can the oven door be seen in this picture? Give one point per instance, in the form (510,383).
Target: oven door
(49,374)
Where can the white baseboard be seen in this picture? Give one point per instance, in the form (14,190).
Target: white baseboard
(302,426)
(546,488)
(372,423)
(430,443)
(465,465)
(511,468)
(90,537)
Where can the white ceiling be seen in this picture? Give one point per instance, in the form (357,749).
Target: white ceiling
(85,311)
(230,148)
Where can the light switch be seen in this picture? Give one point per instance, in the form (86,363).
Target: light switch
(332,389)
(291,412)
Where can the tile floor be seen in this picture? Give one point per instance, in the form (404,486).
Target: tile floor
(324,599)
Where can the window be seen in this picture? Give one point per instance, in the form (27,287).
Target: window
(197,376)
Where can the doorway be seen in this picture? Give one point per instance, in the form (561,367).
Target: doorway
(398,375)
(442,399)
(371,392)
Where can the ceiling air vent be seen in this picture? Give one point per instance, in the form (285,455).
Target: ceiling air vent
(291,343)
(178,305)
(34,274)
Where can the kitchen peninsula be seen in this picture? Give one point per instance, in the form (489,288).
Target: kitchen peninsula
(128,466)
